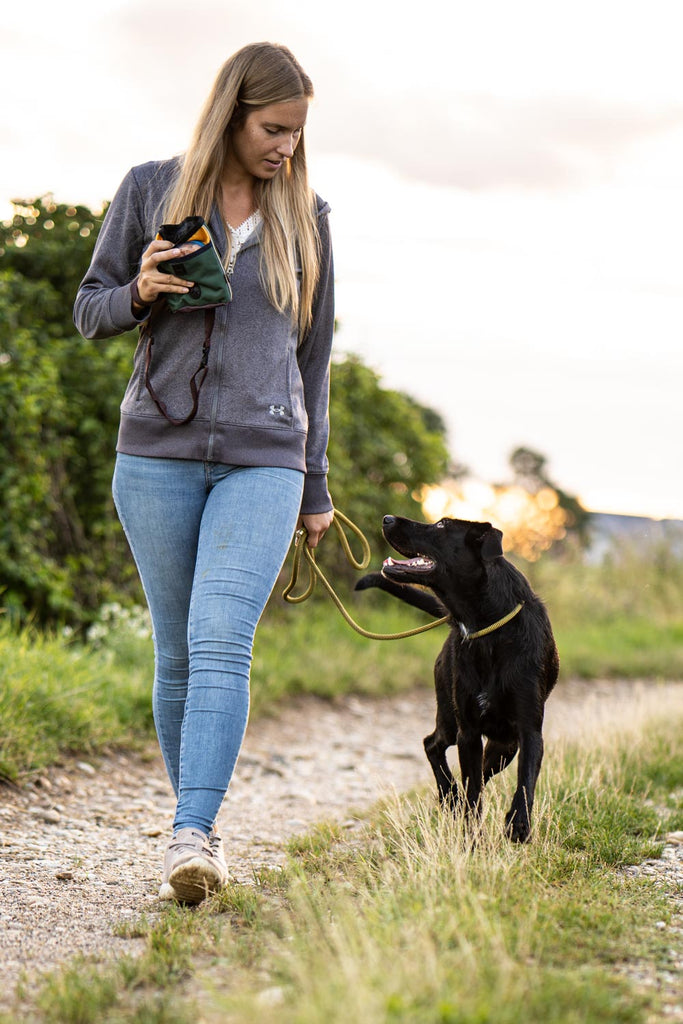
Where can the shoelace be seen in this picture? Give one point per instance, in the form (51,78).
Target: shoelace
(215,842)
(206,846)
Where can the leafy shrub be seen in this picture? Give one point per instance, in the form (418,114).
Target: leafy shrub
(384,447)
(62,552)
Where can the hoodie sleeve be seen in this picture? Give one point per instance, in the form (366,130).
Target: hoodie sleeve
(314,363)
(103,304)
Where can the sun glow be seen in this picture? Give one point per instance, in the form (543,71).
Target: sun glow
(531,523)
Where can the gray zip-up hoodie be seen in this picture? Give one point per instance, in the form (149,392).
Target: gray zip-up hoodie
(265,398)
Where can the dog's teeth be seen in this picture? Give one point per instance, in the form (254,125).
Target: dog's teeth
(388,561)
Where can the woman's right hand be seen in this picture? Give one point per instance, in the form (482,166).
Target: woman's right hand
(151,281)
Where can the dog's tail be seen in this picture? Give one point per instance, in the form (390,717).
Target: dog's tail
(414,596)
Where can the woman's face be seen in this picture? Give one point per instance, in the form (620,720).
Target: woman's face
(268,137)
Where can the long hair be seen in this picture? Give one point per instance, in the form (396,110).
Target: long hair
(254,77)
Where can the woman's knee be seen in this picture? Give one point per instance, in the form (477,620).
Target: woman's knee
(172,662)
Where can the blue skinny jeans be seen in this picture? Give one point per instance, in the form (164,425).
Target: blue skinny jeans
(209,541)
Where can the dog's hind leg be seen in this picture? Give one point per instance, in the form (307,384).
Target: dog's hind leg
(518,818)
(497,756)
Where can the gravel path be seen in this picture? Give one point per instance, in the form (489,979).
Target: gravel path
(81,845)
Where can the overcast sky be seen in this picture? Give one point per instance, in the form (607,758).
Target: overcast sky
(507,191)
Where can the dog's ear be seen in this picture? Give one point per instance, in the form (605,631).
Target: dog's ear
(492,544)
(485,539)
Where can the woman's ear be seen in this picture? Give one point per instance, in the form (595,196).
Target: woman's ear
(237,117)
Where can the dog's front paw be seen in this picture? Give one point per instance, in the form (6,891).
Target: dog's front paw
(371,579)
(517,827)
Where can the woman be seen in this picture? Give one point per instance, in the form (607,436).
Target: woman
(213,476)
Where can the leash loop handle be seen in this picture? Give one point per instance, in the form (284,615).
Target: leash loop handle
(299,545)
(300,548)
(316,573)
(340,518)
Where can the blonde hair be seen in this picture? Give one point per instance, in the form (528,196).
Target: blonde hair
(254,77)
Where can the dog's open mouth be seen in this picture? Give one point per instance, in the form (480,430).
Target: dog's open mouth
(396,566)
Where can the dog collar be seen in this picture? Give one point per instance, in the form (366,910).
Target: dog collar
(466,635)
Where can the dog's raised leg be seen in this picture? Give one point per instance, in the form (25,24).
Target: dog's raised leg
(518,818)
(435,749)
(445,734)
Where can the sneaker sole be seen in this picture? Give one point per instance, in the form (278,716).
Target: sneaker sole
(193,881)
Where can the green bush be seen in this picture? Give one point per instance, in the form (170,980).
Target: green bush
(62,552)
(383,448)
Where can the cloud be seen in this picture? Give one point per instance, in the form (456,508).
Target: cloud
(491,141)
(389,103)
(455,108)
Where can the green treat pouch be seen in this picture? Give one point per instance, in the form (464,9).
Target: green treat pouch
(202,266)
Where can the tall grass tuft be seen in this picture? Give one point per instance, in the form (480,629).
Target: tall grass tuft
(430,920)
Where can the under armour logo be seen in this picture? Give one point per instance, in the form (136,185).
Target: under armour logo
(277,410)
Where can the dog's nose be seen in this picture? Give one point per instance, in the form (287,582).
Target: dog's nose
(389,520)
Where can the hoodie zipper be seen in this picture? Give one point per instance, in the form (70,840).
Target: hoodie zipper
(219,377)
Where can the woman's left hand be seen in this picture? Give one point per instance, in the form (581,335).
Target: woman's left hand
(317,526)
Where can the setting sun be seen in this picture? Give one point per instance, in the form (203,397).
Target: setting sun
(531,523)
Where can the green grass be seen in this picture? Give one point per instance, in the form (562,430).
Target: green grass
(623,617)
(309,648)
(635,648)
(56,697)
(59,696)
(420,919)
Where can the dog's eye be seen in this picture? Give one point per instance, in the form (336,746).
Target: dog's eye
(441,524)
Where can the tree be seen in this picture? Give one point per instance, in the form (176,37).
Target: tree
(61,550)
(51,243)
(384,447)
(529,469)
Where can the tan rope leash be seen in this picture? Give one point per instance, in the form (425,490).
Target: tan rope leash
(466,635)
(315,572)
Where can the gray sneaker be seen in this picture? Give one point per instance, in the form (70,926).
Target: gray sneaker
(192,868)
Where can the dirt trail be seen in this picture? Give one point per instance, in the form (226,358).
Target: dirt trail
(81,846)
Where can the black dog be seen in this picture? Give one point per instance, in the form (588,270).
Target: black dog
(497,666)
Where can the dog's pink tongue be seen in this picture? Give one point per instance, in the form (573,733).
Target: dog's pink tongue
(418,562)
